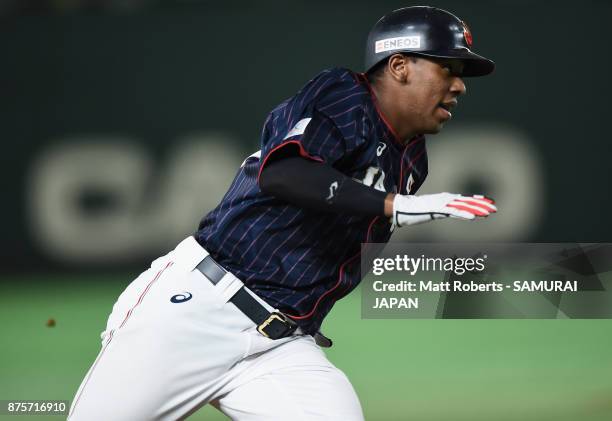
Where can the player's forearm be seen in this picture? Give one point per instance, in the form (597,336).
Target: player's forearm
(320,187)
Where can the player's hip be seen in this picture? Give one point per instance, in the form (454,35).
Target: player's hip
(174,298)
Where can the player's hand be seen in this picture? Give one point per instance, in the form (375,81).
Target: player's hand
(412,210)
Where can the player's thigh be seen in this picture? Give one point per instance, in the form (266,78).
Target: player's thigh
(294,381)
(162,357)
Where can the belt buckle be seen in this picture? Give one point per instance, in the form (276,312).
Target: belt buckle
(277,326)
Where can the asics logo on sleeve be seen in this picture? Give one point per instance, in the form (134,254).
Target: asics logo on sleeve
(332,190)
(410,183)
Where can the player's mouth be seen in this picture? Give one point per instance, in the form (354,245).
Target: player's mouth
(446,107)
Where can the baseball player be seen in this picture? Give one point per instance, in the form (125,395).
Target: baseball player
(232,315)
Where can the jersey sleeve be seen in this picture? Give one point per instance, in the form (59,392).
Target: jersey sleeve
(316,138)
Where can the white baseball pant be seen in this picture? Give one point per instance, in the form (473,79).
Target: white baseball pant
(163,361)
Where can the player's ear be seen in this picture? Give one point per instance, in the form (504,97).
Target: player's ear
(400,67)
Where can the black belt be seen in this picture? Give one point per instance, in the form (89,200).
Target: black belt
(273,325)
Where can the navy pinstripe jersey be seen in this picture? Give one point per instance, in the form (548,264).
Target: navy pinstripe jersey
(302,261)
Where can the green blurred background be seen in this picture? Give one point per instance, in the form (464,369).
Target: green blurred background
(124,122)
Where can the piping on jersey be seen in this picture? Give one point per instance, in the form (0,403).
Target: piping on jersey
(378,110)
(297,142)
(410,164)
(401,177)
(340,275)
(342,293)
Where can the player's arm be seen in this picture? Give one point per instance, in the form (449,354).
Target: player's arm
(320,187)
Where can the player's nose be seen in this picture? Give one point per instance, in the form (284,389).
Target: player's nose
(458,86)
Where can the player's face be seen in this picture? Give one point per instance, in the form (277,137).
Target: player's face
(432,92)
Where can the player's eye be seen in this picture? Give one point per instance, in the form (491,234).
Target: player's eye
(446,66)
(448,69)
(453,69)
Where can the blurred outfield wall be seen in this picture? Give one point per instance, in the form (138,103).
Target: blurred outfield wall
(123,126)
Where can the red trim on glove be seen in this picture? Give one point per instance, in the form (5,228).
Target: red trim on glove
(468,209)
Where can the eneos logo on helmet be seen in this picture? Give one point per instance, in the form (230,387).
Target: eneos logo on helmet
(398,43)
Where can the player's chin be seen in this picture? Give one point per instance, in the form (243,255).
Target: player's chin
(435,128)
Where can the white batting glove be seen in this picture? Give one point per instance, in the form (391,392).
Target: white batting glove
(412,210)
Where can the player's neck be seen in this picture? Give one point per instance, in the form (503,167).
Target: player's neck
(386,103)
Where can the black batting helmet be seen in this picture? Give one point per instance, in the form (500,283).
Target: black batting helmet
(424,31)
